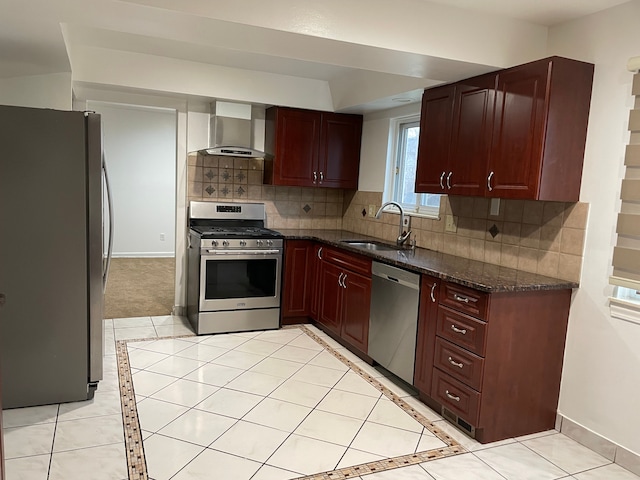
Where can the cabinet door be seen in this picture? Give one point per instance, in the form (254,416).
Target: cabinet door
(295,292)
(425,343)
(471,136)
(355,310)
(339,155)
(315,257)
(515,159)
(330,299)
(435,138)
(296,151)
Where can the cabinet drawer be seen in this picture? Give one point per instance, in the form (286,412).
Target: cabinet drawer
(464,331)
(457,397)
(464,299)
(459,363)
(348,260)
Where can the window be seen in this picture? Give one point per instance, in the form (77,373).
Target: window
(625,302)
(401,174)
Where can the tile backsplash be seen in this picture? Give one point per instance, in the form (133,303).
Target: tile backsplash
(539,237)
(533,236)
(221,178)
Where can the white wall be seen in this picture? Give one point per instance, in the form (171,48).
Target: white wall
(601,377)
(140,149)
(375,146)
(39,91)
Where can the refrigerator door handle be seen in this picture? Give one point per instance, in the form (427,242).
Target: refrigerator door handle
(105,274)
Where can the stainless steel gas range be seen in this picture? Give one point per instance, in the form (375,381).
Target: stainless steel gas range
(234,271)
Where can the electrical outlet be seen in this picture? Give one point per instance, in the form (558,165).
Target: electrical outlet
(407,221)
(162,237)
(372,210)
(451,223)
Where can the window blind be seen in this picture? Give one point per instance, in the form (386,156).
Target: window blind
(626,253)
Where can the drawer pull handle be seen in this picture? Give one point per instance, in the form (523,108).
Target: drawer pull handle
(462,299)
(451,396)
(463,331)
(320,253)
(441,180)
(433,289)
(456,364)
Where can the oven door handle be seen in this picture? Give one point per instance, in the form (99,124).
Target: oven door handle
(244,252)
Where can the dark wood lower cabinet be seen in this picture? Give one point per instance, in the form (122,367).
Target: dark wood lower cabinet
(296,291)
(426,333)
(344,296)
(355,310)
(330,298)
(496,374)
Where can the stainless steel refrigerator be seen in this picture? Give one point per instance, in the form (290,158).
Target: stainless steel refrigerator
(52,265)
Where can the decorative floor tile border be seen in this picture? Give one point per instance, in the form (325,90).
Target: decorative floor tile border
(137,465)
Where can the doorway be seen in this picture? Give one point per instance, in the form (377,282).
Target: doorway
(140,150)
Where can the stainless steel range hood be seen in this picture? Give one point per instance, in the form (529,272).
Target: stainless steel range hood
(234,130)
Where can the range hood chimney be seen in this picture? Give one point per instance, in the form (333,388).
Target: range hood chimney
(235,129)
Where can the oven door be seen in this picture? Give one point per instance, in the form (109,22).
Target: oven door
(239,279)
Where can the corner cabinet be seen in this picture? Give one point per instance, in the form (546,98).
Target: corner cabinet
(344,291)
(517,133)
(491,363)
(307,148)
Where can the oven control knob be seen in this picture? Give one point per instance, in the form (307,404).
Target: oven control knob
(243,243)
(270,243)
(259,243)
(214,243)
(225,243)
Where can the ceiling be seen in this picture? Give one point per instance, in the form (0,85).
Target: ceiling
(292,39)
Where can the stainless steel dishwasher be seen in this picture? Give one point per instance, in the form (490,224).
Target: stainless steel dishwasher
(393,320)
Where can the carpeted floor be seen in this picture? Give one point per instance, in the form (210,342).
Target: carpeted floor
(140,287)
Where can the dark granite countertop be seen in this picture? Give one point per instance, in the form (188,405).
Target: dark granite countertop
(471,273)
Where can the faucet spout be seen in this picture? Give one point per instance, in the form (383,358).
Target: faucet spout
(402,235)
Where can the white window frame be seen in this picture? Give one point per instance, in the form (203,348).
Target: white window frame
(395,169)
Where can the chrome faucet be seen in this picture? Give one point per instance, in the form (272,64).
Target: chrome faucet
(402,235)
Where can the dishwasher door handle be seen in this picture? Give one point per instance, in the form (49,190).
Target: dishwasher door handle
(399,281)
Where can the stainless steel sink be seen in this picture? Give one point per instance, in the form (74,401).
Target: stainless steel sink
(373,246)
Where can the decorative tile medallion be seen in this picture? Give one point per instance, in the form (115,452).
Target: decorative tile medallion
(210,190)
(135,450)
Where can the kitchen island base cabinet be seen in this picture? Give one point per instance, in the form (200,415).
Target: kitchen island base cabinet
(504,381)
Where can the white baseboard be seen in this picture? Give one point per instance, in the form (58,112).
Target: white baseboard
(599,444)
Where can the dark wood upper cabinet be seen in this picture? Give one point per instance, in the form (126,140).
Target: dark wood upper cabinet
(312,149)
(339,156)
(516,133)
(540,130)
(471,136)
(435,139)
